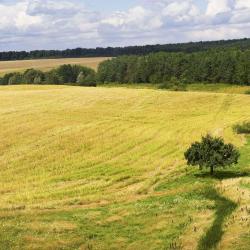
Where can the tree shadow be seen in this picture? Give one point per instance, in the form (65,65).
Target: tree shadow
(224,208)
(223,175)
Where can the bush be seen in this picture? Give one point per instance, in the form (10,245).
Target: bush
(32,75)
(247,92)
(88,80)
(5,79)
(174,84)
(70,73)
(243,128)
(16,78)
(52,77)
(65,74)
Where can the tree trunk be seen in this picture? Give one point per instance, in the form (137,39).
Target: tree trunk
(211,170)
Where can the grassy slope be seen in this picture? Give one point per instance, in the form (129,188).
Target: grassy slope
(101,168)
(47,64)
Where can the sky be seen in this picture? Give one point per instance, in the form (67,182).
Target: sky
(60,24)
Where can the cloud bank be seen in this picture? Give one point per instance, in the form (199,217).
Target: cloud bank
(51,24)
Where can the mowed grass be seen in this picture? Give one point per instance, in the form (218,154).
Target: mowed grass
(47,64)
(103,168)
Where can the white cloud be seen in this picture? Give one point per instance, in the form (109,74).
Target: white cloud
(215,7)
(50,7)
(180,8)
(241,4)
(16,17)
(136,17)
(39,24)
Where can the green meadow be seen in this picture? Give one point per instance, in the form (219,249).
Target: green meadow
(103,168)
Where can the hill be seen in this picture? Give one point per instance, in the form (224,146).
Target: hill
(190,47)
(103,168)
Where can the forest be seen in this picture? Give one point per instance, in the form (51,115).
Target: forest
(241,44)
(214,66)
(231,66)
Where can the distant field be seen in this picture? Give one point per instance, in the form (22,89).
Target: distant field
(47,64)
(103,168)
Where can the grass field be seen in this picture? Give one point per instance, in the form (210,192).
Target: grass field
(103,168)
(195,87)
(47,64)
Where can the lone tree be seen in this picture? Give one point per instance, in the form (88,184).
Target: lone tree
(212,153)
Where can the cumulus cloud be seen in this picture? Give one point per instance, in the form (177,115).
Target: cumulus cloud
(137,17)
(15,17)
(181,9)
(241,4)
(49,7)
(215,7)
(39,24)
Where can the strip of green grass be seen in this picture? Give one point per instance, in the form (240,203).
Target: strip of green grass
(196,87)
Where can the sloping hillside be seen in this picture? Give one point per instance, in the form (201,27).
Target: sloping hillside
(103,168)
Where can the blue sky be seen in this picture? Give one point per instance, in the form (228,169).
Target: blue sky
(110,5)
(53,24)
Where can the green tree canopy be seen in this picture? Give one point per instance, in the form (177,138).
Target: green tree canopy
(212,153)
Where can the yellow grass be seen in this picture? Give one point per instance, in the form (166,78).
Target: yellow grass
(103,168)
(47,64)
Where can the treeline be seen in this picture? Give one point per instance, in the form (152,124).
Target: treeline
(65,74)
(171,70)
(216,66)
(241,44)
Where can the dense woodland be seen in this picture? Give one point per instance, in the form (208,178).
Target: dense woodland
(214,66)
(230,66)
(191,47)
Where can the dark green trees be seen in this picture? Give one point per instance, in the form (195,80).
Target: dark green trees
(215,66)
(52,77)
(242,44)
(65,74)
(230,66)
(211,153)
(31,76)
(87,79)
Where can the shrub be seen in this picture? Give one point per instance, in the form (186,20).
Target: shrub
(38,80)
(30,75)
(211,153)
(174,84)
(88,80)
(16,78)
(6,78)
(243,128)
(65,74)
(69,73)
(52,77)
